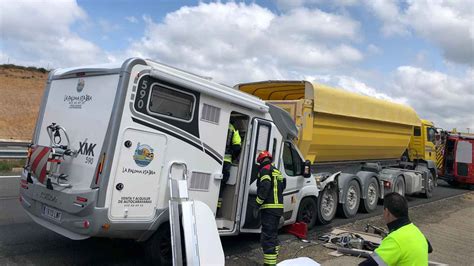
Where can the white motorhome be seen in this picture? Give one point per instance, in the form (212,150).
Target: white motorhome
(108,138)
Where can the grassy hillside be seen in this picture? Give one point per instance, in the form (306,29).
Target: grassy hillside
(21,89)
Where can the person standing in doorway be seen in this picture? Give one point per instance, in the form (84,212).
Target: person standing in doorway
(232,152)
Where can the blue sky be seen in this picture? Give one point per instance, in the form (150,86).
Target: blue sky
(416,52)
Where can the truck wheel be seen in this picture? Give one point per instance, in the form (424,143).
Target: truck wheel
(327,205)
(429,186)
(159,246)
(307,212)
(352,197)
(399,186)
(372,197)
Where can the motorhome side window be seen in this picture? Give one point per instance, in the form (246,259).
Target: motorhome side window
(263,138)
(170,102)
(292,160)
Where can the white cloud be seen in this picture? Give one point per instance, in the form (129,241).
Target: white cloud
(238,42)
(444,99)
(38,33)
(292,4)
(388,11)
(315,24)
(132,19)
(447,24)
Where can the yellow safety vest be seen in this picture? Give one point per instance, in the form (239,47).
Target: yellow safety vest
(405,246)
(234,140)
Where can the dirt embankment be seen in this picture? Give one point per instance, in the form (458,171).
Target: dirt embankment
(21,90)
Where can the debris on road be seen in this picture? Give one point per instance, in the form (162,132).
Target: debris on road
(377,230)
(351,242)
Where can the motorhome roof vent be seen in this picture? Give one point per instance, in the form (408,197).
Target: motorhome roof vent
(200,181)
(210,113)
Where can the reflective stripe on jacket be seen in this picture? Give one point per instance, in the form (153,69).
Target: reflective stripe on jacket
(270,188)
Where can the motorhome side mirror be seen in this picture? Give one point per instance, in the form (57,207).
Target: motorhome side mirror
(307,169)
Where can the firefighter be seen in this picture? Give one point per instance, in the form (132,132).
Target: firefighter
(270,186)
(232,152)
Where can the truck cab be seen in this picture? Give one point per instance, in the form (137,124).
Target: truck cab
(423,142)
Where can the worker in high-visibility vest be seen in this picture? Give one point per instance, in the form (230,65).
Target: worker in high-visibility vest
(270,186)
(405,244)
(232,152)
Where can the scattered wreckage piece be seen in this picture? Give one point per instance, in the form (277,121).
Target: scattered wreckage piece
(348,242)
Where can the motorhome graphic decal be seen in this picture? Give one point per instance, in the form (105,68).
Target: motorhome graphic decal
(80,85)
(87,149)
(134,201)
(143,155)
(77,101)
(138,171)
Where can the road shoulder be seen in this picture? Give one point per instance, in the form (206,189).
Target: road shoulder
(447,223)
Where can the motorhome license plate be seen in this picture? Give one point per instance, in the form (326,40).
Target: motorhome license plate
(51,213)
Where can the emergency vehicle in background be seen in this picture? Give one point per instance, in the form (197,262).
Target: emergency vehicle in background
(109,138)
(457,158)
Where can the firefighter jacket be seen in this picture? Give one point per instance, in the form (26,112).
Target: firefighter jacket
(405,245)
(233,143)
(270,186)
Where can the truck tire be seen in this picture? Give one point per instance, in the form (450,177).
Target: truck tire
(399,186)
(369,204)
(159,246)
(429,186)
(327,205)
(307,212)
(352,200)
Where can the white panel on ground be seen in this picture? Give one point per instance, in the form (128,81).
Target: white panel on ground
(209,242)
(301,261)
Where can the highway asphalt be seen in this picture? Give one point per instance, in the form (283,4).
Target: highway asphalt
(24,242)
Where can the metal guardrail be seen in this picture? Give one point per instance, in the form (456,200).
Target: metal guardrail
(12,149)
(14,143)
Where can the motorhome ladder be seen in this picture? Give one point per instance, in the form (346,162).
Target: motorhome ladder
(179,203)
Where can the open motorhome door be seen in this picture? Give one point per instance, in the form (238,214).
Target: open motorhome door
(262,138)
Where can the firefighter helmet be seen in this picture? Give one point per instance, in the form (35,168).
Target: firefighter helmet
(262,155)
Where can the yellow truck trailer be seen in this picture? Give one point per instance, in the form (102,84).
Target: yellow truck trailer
(356,144)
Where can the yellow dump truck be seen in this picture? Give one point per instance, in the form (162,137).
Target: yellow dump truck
(356,144)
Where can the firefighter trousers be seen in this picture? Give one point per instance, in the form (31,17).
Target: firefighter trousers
(269,237)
